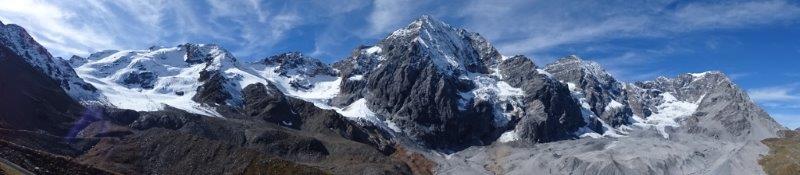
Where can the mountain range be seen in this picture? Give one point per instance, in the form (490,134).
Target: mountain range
(429,98)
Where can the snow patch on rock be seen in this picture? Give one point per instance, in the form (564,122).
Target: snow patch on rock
(373,50)
(356,78)
(614,104)
(321,88)
(589,116)
(542,71)
(508,136)
(669,112)
(496,92)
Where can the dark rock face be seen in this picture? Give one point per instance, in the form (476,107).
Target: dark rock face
(143,79)
(31,100)
(360,63)
(196,53)
(598,87)
(76,61)
(269,104)
(551,113)
(212,92)
(329,122)
(424,101)
(17,41)
(419,94)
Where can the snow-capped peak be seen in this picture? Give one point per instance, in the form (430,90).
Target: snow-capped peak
(701,75)
(450,49)
(297,63)
(422,24)
(213,55)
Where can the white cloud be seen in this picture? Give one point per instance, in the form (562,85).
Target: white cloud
(49,25)
(530,27)
(388,15)
(786,93)
(733,14)
(791,121)
(81,27)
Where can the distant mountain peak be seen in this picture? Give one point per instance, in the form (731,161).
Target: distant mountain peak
(207,53)
(425,23)
(296,62)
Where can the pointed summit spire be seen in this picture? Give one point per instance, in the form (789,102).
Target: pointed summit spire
(428,21)
(424,24)
(450,49)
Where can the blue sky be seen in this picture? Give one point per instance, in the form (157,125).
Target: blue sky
(757,43)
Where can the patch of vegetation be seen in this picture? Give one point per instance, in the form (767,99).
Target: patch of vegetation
(784,154)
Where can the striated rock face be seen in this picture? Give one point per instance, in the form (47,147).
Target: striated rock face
(550,112)
(604,95)
(416,84)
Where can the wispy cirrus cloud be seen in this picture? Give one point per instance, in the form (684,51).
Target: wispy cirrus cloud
(784,93)
(58,33)
(525,27)
(792,121)
(387,15)
(69,27)
(783,102)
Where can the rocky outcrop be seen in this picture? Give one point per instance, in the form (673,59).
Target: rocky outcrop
(213,91)
(268,103)
(551,113)
(603,93)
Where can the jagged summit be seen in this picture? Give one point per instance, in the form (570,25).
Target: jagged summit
(424,23)
(452,50)
(296,62)
(585,67)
